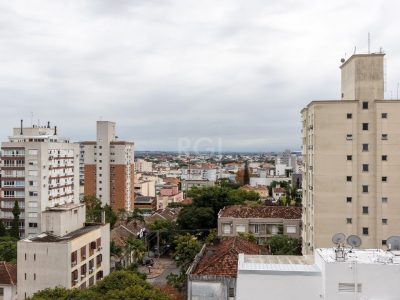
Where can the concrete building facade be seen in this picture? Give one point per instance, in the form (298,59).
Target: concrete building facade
(39,170)
(109,168)
(69,253)
(363,274)
(352,160)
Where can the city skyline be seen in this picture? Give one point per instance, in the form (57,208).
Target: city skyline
(234,75)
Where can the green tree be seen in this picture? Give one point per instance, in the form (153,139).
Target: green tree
(111,216)
(186,248)
(225,182)
(93,209)
(14,231)
(8,249)
(248,236)
(117,285)
(3,231)
(136,215)
(192,217)
(136,249)
(284,245)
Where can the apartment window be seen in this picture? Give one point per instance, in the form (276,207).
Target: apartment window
(384,157)
(348,178)
(349,220)
(1,291)
(365,126)
(365,230)
(384,136)
(226,228)
(384,199)
(240,228)
(349,116)
(34,276)
(25,276)
(349,287)
(33,225)
(349,157)
(365,210)
(365,167)
(384,115)
(256,228)
(348,199)
(365,105)
(231,292)
(74,258)
(384,178)
(384,221)
(349,137)
(291,229)
(34,257)
(365,147)
(83,253)
(365,188)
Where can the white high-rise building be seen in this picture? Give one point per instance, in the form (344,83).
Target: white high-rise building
(40,170)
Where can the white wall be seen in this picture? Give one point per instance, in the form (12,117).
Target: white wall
(278,287)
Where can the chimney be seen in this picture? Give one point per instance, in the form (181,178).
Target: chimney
(55,130)
(22,123)
(48,124)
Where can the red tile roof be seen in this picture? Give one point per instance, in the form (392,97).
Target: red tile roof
(281,212)
(222,259)
(8,273)
(278,190)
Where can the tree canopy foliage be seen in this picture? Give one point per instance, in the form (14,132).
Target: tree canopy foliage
(284,245)
(94,210)
(118,285)
(8,249)
(192,217)
(14,230)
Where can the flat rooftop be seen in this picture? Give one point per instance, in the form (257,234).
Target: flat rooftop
(64,207)
(362,256)
(277,264)
(47,237)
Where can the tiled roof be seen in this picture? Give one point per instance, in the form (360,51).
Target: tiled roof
(281,212)
(278,190)
(8,273)
(222,259)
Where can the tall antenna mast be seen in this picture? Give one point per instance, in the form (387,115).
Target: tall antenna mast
(369,43)
(398,84)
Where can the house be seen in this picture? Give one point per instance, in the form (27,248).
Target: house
(213,273)
(145,203)
(278,192)
(331,274)
(262,221)
(168,194)
(8,281)
(188,184)
(262,191)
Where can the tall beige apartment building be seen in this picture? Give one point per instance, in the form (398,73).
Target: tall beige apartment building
(109,168)
(39,170)
(351,154)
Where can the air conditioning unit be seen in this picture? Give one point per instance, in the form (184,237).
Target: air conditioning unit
(91,270)
(83,275)
(75,280)
(99,249)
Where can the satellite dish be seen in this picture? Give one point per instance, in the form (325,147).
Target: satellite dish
(393,243)
(338,238)
(354,241)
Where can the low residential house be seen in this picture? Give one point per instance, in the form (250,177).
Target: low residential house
(120,234)
(145,203)
(213,273)
(168,213)
(8,281)
(169,194)
(262,221)
(278,192)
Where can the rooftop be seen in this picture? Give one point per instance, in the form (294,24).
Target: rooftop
(47,237)
(8,273)
(277,264)
(144,200)
(66,206)
(222,259)
(281,212)
(362,256)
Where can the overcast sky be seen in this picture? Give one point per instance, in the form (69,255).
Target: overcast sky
(184,73)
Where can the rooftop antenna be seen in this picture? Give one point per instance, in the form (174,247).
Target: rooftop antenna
(31,118)
(354,241)
(338,239)
(393,243)
(355,48)
(398,84)
(369,43)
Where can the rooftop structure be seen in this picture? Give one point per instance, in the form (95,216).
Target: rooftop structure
(363,274)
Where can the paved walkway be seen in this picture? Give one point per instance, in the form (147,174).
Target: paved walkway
(158,273)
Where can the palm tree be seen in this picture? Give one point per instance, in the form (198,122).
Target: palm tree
(136,249)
